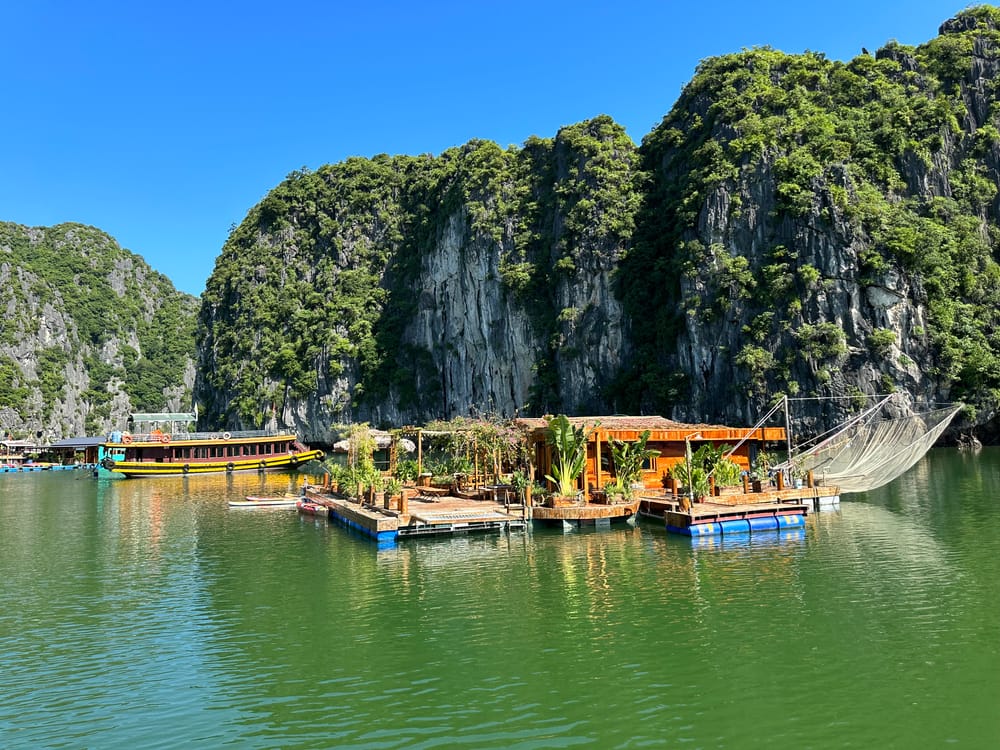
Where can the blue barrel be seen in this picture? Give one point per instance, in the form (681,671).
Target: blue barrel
(386,538)
(702,529)
(791,522)
(764,523)
(740,526)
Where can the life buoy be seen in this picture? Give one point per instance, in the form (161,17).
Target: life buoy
(126,437)
(262,465)
(226,435)
(164,438)
(230,466)
(186,468)
(294,460)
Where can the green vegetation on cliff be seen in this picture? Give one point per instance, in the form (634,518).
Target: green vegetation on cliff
(321,279)
(85,320)
(795,224)
(894,157)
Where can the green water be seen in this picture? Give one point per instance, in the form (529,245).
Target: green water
(146,613)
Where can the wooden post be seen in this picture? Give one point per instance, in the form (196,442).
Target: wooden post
(673,486)
(393,452)
(711,486)
(597,459)
(780,478)
(420,453)
(810,479)
(746,485)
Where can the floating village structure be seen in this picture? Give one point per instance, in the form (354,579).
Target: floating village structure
(425,509)
(756,504)
(23,456)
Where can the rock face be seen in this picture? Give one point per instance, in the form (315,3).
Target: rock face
(794,226)
(89,333)
(819,248)
(477,282)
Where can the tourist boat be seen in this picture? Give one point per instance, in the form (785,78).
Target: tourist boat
(254,501)
(161,445)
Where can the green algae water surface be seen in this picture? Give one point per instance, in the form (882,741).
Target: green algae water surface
(146,613)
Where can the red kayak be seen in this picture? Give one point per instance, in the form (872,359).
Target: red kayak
(307,506)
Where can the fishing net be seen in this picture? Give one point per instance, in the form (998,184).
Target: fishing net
(873,448)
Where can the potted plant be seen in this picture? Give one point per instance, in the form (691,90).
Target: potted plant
(406,471)
(760,469)
(393,488)
(727,473)
(570,447)
(520,482)
(694,480)
(374,487)
(616,492)
(629,458)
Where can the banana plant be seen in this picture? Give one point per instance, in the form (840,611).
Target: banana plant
(570,446)
(628,459)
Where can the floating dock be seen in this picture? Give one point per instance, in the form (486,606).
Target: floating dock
(25,468)
(739,513)
(424,515)
(586,514)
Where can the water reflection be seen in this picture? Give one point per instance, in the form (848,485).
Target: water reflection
(149,608)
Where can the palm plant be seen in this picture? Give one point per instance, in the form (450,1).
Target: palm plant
(570,444)
(726,472)
(694,478)
(628,459)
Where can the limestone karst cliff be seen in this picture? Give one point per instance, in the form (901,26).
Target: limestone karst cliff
(401,289)
(794,225)
(828,229)
(89,333)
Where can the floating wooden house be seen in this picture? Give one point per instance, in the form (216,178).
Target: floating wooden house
(670,438)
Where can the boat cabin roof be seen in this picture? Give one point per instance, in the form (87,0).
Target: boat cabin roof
(166,416)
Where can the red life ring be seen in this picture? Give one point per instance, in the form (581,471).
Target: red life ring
(164,438)
(126,438)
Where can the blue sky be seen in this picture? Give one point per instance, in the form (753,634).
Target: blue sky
(164,123)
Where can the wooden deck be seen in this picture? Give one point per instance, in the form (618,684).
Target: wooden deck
(427,514)
(733,513)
